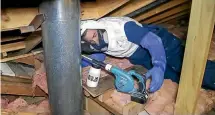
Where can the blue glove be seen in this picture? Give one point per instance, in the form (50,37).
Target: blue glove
(97,56)
(143,37)
(154,44)
(157,78)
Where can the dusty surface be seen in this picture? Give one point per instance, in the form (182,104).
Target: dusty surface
(162,102)
(112,104)
(39,78)
(20,105)
(4,102)
(121,99)
(163,97)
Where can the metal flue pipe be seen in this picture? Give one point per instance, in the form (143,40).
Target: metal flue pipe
(61,42)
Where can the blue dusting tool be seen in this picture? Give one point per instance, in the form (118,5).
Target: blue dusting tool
(124,81)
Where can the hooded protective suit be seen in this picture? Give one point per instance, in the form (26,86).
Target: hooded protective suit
(118,44)
(151,46)
(121,43)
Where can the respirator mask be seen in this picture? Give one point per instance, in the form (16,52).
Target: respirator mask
(87,47)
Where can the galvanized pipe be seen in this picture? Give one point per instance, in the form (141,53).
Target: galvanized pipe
(61,42)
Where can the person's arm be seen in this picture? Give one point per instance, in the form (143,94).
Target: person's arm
(143,37)
(97,56)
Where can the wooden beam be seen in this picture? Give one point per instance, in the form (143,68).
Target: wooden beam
(105,83)
(106,95)
(94,108)
(167,13)
(31,41)
(89,11)
(8,112)
(159,9)
(12,46)
(130,7)
(16,88)
(107,6)
(98,9)
(4,54)
(16,17)
(30,60)
(199,36)
(26,15)
(15,79)
(110,108)
(184,13)
(11,38)
(20,56)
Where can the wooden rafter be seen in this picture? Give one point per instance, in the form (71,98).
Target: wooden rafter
(167,14)
(130,7)
(160,9)
(178,15)
(202,19)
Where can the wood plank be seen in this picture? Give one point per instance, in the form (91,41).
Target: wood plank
(110,108)
(98,9)
(105,83)
(6,70)
(89,11)
(94,108)
(22,70)
(131,108)
(6,112)
(30,60)
(201,25)
(107,6)
(20,56)
(31,41)
(13,46)
(37,21)
(106,95)
(16,17)
(4,54)
(15,79)
(27,29)
(18,30)
(184,13)
(17,70)
(20,89)
(86,93)
(11,38)
(130,7)
(8,29)
(159,9)
(166,14)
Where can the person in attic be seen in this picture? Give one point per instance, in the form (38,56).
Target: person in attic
(148,45)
